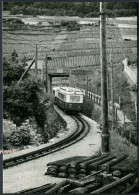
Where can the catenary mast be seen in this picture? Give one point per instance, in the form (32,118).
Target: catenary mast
(103,60)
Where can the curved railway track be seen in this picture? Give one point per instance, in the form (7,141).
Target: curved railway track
(81,132)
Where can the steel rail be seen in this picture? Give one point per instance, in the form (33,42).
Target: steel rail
(81,132)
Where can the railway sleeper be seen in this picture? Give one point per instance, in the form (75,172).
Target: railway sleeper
(28,157)
(9,164)
(38,155)
(20,160)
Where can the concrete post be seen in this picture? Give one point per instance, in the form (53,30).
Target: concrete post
(49,84)
(105,133)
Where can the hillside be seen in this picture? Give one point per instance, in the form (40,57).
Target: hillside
(82,9)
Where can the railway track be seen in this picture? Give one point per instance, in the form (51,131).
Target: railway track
(81,132)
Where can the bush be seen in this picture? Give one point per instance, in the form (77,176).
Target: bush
(70,24)
(18,21)
(39,114)
(88,106)
(129,132)
(11,72)
(18,102)
(20,137)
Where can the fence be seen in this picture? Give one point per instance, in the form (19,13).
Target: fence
(123,125)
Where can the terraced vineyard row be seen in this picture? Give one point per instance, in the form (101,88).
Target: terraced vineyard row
(84,61)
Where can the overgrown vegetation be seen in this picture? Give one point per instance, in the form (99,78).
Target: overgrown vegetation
(70,25)
(123,147)
(20,101)
(20,137)
(27,106)
(14,24)
(121,89)
(88,107)
(127,131)
(82,9)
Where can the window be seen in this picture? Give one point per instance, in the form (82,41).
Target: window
(61,96)
(74,98)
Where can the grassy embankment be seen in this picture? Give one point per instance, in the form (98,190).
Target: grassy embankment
(119,145)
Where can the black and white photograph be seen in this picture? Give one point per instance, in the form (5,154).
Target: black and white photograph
(69,97)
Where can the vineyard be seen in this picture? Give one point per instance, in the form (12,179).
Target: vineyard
(68,49)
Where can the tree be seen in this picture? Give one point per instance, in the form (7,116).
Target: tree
(11,73)
(14,56)
(70,8)
(21,101)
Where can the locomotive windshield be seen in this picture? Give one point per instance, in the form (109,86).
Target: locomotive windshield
(74,98)
(61,96)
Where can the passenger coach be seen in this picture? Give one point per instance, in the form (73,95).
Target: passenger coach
(68,98)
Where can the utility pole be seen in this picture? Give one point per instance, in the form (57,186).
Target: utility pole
(112,94)
(36,58)
(105,133)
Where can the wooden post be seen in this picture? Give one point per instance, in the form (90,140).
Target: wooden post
(87,83)
(25,72)
(112,94)
(116,118)
(43,75)
(46,61)
(108,95)
(120,101)
(124,121)
(105,133)
(136,111)
(36,56)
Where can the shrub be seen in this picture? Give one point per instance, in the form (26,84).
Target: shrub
(88,106)
(11,72)
(39,114)
(5,142)
(18,21)
(19,101)
(129,132)
(20,137)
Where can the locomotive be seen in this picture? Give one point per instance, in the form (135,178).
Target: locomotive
(68,98)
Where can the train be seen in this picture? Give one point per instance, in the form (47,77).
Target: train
(70,99)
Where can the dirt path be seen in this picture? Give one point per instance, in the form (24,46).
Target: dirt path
(31,174)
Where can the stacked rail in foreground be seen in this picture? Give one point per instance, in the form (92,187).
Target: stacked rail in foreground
(94,174)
